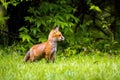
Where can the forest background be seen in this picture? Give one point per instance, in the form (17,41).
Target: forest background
(87,25)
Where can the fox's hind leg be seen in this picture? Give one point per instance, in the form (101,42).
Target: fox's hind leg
(27,56)
(32,57)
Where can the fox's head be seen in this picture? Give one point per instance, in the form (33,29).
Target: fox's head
(55,35)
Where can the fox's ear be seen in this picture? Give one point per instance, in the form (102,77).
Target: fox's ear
(56,29)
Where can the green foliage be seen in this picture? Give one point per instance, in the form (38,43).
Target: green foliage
(3,19)
(6,3)
(88,26)
(77,38)
(96,8)
(45,17)
(24,35)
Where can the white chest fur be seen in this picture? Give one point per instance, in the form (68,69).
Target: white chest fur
(54,47)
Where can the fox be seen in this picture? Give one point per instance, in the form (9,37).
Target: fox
(46,49)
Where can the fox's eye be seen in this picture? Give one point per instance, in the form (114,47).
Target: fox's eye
(59,35)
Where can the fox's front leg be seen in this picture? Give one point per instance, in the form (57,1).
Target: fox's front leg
(52,57)
(47,56)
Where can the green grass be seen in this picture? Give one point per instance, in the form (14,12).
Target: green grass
(92,67)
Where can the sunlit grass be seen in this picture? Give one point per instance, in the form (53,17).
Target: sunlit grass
(92,67)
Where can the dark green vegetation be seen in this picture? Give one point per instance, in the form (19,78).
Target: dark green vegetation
(92,39)
(87,25)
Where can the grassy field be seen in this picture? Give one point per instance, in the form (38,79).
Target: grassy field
(87,67)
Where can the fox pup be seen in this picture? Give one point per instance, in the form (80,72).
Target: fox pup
(47,49)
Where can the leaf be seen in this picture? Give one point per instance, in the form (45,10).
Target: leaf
(23,29)
(42,40)
(43,22)
(38,23)
(5,4)
(30,19)
(95,8)
(70,24)
(59,17)
(98,9)
(71,16)
(31,10)
(25,37)
(104,26)
(34,31)
(107,45)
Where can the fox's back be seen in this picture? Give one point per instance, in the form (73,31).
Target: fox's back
(38,49)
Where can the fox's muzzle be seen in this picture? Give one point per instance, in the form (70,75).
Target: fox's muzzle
(62,38)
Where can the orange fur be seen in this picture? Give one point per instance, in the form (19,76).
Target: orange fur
(47,49)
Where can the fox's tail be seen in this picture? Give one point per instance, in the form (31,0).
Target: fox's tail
(27,56)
